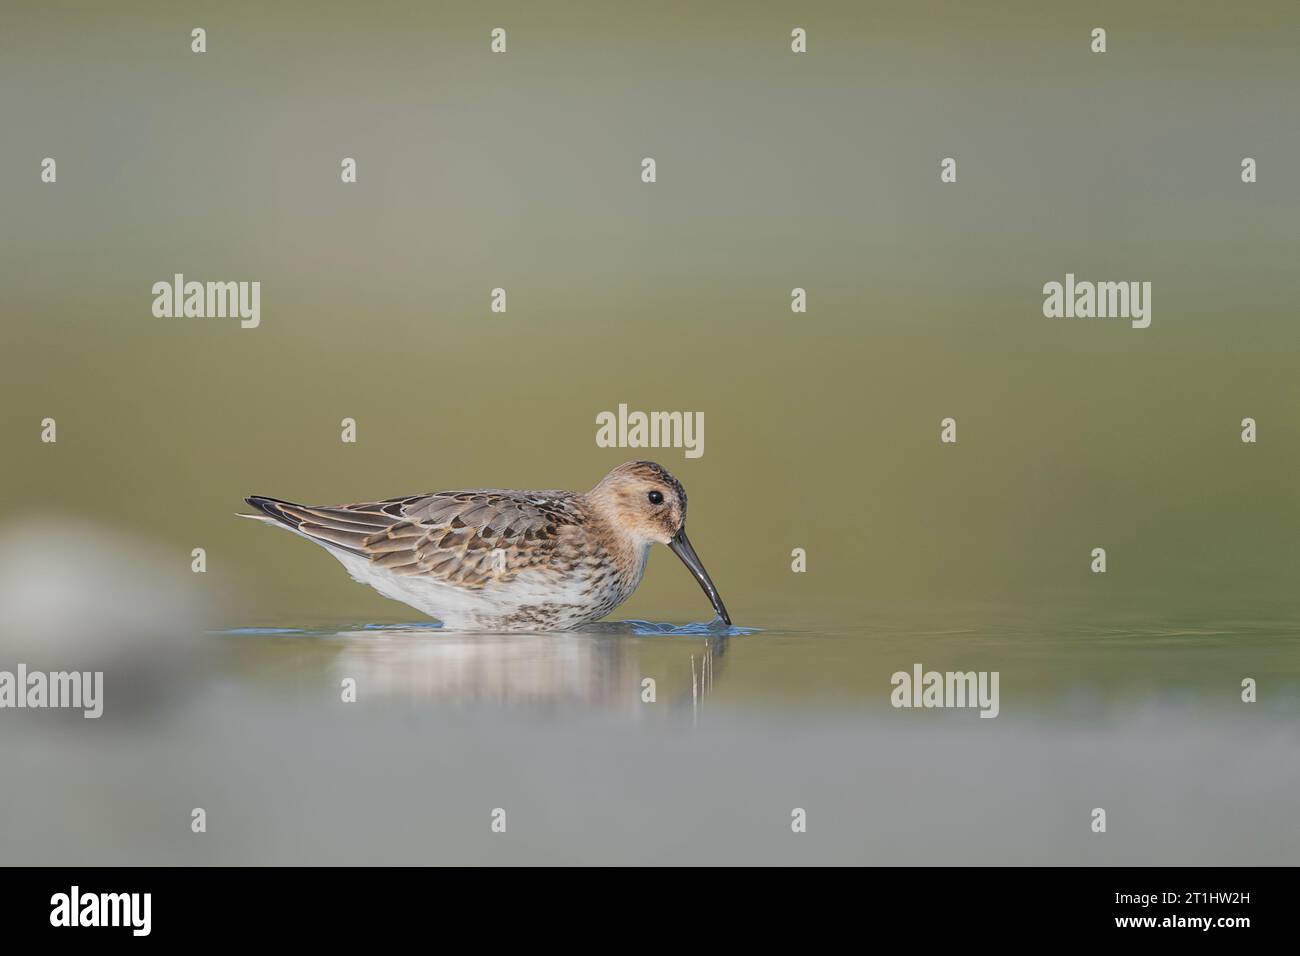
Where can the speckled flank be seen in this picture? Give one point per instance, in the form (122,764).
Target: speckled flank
(488,559)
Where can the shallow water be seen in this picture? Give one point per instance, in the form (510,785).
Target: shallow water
(1078,669)
(1142,718)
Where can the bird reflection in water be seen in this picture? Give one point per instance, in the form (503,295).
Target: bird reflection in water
(602,670)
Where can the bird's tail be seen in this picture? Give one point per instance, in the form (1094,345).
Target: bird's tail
(332,527)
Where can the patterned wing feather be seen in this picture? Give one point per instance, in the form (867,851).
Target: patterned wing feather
(465,538)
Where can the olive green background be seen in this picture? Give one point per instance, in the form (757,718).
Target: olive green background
(775,171)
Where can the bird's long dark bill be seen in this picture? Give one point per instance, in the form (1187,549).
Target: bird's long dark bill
(681,546)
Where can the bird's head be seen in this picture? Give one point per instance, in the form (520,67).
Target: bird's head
(644,503)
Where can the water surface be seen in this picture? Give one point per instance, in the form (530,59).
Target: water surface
(1142,718)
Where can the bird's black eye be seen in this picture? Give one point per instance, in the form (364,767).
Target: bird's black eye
(656,497)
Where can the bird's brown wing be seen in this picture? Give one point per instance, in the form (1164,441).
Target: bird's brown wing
(466,538)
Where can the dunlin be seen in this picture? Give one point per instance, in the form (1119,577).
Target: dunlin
(490,560)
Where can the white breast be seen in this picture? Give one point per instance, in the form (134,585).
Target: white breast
(488,608)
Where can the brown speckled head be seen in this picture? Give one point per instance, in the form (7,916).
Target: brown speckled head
(642,500)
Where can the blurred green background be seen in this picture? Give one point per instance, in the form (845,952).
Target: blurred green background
(775,170)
